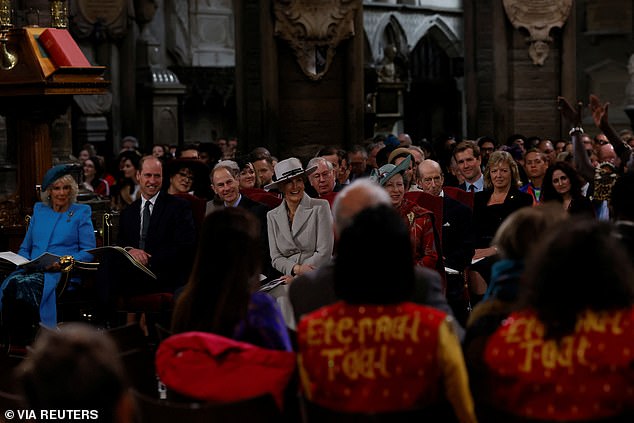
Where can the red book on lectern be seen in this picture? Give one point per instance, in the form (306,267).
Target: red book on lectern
(62,48)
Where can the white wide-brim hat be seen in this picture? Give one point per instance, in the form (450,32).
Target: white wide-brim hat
(287,169)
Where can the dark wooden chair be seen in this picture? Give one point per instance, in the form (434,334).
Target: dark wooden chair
(157,307)
(255,410)
(458,194)
(198,205)
(262,196)
(432,203)
(330,197)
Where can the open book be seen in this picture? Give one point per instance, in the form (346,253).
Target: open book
(113,249)
(269,286)
(10,261)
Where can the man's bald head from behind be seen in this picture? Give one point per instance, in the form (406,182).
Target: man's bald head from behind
(359,195)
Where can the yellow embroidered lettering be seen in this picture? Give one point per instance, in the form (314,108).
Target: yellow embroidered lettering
(365,326)
(366,362)
(584,344)
(381,364)
(344,325)
(414,329)
(549,354)
(399,327)
(382,330)
(349,366)
(529,346)
(615,323)
(329,330)
(330,355)
(564,357)
(313,332)
(512,332)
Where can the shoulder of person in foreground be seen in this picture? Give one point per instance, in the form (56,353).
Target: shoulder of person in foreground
(428,291)
(312,290)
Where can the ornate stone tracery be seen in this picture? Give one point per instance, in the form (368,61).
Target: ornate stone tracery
(314,30)
(538,17)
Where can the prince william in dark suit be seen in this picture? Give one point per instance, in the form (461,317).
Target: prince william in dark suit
(158,231)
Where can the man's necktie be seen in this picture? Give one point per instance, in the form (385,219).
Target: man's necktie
(472,188)
(145,225)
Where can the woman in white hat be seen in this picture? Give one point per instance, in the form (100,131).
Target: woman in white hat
(300,229)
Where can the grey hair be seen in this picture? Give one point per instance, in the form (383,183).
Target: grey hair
(315,160)
(368,194)
(45,196)
(231,166)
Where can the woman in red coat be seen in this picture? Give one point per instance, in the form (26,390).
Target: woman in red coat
(425,241)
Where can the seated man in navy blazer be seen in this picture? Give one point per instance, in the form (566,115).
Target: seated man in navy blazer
(458,238)
(158,231)
(224,181)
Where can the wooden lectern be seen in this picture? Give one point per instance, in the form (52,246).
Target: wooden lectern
(32,94)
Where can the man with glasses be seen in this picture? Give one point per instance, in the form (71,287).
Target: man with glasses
(323,180)
(457,234)
(358,160)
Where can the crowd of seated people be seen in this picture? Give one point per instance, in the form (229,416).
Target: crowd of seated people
(328,258)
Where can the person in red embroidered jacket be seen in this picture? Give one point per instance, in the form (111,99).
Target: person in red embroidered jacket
(425,240)
(568,353)
(374,352)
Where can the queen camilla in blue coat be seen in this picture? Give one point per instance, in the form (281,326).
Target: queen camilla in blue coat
(58,226)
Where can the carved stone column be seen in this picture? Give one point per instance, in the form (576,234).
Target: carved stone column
(159,120)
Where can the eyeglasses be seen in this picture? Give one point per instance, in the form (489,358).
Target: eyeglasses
(186,176)
(322,175)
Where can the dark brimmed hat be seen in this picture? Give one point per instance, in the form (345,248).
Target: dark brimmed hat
(287,169)
(198,168)
(54,173)
(386,172)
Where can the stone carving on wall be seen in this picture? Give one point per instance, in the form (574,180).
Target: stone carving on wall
(387,69)
(101,19)
(314,30)
(177,39)
(538,17)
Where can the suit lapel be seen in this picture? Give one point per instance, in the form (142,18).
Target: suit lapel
(303,213)
(157,211)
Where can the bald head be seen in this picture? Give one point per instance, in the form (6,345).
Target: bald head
(607,154)
(359,195)
(430,177)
